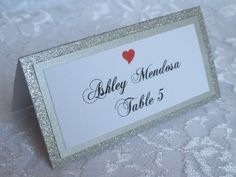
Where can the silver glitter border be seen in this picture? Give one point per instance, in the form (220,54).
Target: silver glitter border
(27,63)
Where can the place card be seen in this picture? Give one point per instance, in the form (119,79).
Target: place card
(94,92)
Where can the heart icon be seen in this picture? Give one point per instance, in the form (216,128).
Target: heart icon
(128,55)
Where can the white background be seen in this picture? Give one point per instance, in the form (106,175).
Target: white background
(200,142)
(67,82)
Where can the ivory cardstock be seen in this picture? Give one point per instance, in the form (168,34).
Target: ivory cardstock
(91,93)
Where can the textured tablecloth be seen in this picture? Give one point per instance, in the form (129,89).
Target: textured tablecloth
(199,143)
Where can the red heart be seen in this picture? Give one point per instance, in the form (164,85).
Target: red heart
(128,55)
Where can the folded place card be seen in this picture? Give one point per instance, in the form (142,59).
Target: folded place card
(91,93)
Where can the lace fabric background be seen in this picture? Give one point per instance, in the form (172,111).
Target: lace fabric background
(201,143)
